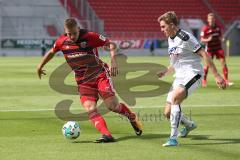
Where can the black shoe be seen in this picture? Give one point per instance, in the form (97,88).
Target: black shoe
(137,126)
(105,139)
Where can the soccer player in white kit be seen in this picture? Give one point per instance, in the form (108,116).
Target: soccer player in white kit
(185,59)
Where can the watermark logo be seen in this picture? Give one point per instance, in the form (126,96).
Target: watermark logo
(123,86)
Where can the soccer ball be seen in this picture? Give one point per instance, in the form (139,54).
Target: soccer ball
(71,130)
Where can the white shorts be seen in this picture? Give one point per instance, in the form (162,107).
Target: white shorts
(190,82)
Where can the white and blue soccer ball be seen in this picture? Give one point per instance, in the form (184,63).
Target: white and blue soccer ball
(71,130)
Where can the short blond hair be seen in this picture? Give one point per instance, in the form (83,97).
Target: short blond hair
(70,23)
(169,17)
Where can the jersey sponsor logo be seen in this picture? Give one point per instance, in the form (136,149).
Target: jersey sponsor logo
(172,50)
(102,38)
(196,47)
(215,34)
(77,54)
(68,42)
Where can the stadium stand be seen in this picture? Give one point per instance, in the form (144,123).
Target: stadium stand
(32,18)
(85,14)
(122,18)
(137,18)
(125,16)
(51,30)
(228,10)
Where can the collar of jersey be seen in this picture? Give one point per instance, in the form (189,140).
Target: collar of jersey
(175,34)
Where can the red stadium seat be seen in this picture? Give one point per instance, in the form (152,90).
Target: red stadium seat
(228,10)
(140,16)
(52,30)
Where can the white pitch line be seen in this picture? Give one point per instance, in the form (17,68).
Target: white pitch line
(25,110)
(137,107)
(198,106)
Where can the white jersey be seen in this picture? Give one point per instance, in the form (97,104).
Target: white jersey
(183,57)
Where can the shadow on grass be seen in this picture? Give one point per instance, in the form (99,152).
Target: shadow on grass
(143,137)
(203,139)
(124,138)
(198,137)
(79,141)
(211,141)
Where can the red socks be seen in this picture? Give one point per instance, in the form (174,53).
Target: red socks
(224,70)
(99,123)
(225,73)
(125,111)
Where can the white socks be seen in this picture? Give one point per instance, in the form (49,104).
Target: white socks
(175,118)
(185,121)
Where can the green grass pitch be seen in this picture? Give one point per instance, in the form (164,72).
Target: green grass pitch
(29,128)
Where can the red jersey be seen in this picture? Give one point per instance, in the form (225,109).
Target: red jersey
(82,55)
(215,44)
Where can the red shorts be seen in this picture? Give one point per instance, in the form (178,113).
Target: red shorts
(219,54)
(102,85)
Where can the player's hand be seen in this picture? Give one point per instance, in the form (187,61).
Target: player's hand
(40,72)
(222,39)
(210,38)
(161,74)
(114,68)
(220,82)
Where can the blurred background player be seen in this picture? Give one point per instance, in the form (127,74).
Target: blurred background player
(43,47)
(185,52)
(152,48)
(211,36)
(92,75)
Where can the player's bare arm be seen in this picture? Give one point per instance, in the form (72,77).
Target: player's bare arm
(208,61)
(48,56)
(165,72)
(222,39)
(114,66)
(205,40)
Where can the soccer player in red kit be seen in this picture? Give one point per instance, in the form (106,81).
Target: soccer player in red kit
(79,48)
(211,35)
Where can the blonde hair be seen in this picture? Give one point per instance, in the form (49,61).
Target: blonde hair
(70,23)
(169,17)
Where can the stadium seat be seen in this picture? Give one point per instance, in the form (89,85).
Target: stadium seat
(126,16)
(140,16)
(52,30)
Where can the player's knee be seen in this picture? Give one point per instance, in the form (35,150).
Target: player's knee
(223,61)
(176,99)
(178,96)
(112,103)
(89,107)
